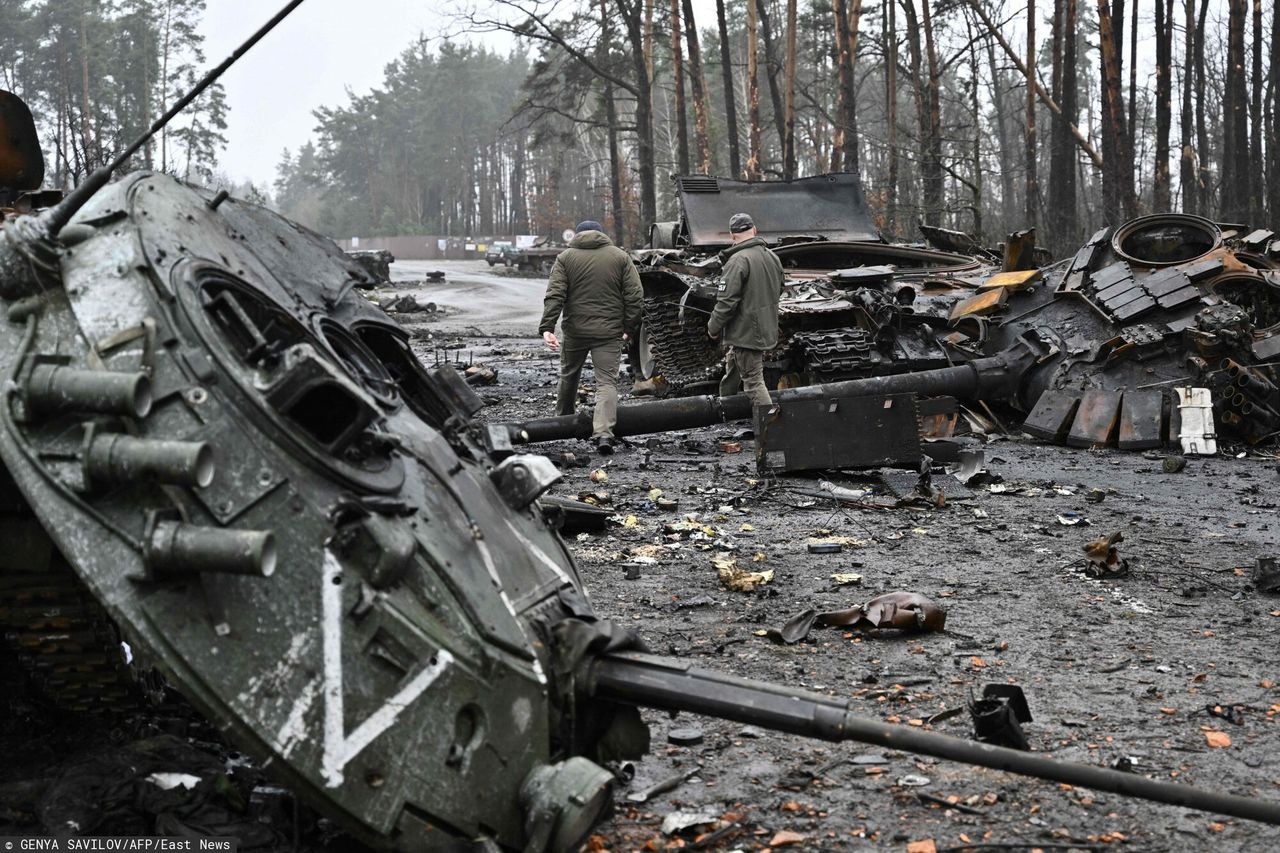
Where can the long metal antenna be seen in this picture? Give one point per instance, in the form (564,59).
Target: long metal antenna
(60,214)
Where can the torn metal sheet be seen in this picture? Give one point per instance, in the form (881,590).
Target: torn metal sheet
(902,611)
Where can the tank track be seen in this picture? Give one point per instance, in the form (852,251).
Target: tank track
(837,354)
(683,354)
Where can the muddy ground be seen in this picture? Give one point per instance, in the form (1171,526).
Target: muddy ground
(1124,671)
(1170,669)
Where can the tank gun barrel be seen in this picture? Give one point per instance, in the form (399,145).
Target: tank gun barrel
(996,377)
(652,682)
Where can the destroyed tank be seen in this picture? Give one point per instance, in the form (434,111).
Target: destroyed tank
(853,304)
(1160,303)
(234,463)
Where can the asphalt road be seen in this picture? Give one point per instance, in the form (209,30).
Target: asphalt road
(473,295)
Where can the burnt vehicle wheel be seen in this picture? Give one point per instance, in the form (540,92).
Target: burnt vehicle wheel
(1165,239)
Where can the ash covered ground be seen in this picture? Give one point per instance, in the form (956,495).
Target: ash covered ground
(1169,669)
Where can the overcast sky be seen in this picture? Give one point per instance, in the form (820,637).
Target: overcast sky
(324,48)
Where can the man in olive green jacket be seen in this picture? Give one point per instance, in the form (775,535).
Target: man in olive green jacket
(596,287)
(745,318)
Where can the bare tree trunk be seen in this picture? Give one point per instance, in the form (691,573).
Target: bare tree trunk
(1117,170)
(730,105)
(1256,167)
(1133,73)
(753,95)
(1202,132)
(1187,170)
(1007,191)
(698,83)
(639,38)
(1273,123)
(844,82)
(1033,190)
(975,104)
(851,104)
(1061,209)
(1235,141)
(890,36)
(789,120)
(85,110)
(773,67)
(931,145)
(611,119)
(677,72)
(1164,103)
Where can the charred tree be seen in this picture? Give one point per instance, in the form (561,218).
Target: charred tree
(850,141)
(753,94)
(773,68)
(1061,209)
(677,73)
(1187,162)
(844,82)
(1234,203)
(789,120)
(1202,131)
(1032,190)
(1257,84)
(890,36)
(1164,104)
(1117,162)
(698,85)
(730,105)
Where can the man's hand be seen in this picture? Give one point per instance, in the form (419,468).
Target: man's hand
(625,338)
(551,341)
(715,336)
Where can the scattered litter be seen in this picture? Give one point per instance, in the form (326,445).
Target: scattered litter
(685,736)
(846,579)
(1072,519)
(914,780)
(786,838)
(667,504)
(841,492)
(1104,558)
(731,446)
(738,579)
(677,822)
(998,715)
(1095,496)
(904,611)
(1217,740)
(1174,464)
(600,476)
(169,781)
(1266,575)
(825,547)
(480,374)
(668,784)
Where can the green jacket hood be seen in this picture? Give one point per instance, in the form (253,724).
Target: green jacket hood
(738,247)
(590,240)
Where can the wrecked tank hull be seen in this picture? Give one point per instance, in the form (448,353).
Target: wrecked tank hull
(852,304)
(249,472)
(1161,303)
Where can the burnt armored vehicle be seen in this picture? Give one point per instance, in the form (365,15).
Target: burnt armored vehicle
(853,304)
(1107,348)
(216,443)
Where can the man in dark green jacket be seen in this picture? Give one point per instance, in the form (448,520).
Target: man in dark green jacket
(596,288)
(745,318)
